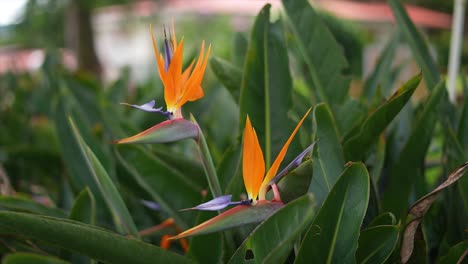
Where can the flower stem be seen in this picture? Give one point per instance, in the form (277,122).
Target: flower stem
(208,164)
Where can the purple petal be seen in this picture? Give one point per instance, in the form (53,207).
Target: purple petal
(295,163)
(148,107)
(151,205)
(217,203)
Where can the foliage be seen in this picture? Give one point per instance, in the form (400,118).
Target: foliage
(363,194)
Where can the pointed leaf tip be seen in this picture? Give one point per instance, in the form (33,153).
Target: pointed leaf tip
(167,131)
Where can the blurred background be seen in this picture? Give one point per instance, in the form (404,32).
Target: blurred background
(105,36)
(101,53)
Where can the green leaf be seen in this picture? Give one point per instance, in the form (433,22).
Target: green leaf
(323,55)
(22,204)
(85,239)
(84,211)
(165,185)
(408,166)
(296,183)
(27,258)
(333,235)
(228,74)
(416,43)
(239,48)
(455,253)
(164,132)
(288,223)
(198,250)
(81,175)
(328,158)
(381,69)
(377,243)
(120,213)
(208,163)
(84,208)
(234,217)
(266,88)
(356,147)
(386,218)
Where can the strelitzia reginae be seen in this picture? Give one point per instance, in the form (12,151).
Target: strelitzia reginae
(256,183)
(180,87)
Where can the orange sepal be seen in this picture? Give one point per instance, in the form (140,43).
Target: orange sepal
(253,164)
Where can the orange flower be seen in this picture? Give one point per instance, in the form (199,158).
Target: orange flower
(253,164)
(179,86)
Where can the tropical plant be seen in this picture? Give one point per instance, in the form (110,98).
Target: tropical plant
(357,187)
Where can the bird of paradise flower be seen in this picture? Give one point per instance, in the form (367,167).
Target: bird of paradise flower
(180,87)
(256,183)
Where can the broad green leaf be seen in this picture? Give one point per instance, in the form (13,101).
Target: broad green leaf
(166,186)
(408,166)
(333,235)
(28,258)
(356,147)
(328,159)
(120,213)
(416,43)
(234,217)
(420,208)
(22,204)
(377,243)
(84,208)
(228,74)
(167,131)
(266,88)
(323,55)
(272,240)
(85,239)
(382,67)
(386,218)
(455,253)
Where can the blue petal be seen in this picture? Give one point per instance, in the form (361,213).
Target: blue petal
(217,203)
(295,163)
(151,205)
(148,107)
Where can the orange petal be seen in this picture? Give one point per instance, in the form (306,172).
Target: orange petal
(169,95)
(274,168)
(192,89)
(253,164)
(175,69)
